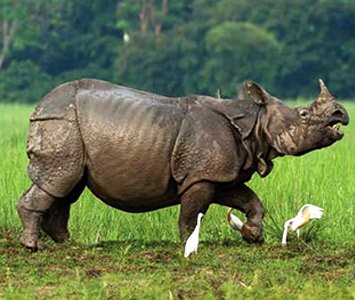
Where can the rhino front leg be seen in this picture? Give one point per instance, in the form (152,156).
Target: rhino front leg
(244,199)
(31,208)
(194,201)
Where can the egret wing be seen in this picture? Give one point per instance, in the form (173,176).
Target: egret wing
(191,244)
(315,212)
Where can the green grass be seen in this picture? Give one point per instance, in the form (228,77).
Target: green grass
(119,255)
(157,270)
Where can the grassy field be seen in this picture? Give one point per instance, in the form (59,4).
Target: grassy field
(116,255)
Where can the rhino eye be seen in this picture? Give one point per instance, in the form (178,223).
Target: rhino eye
(304,113)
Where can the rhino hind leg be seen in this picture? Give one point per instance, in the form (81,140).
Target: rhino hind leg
(56,168)
(194,201)
(55,220)
(31,208)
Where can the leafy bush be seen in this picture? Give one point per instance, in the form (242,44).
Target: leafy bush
(237,52)
(91,71)
(23,82)
(165,64)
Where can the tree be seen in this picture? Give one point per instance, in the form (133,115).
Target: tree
(238,52)
(15,27)
(151,15)
(76,35)
(316,40)
(161,65)
(23,81)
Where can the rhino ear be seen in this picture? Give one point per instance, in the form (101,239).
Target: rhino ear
(256,92)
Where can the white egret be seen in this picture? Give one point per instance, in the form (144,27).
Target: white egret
(192,242)
(233,220)
(305,214)
(126,37)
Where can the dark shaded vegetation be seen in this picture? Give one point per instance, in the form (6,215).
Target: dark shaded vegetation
(177,47)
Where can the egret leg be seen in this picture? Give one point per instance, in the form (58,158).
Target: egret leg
(244,199)
(194,201)
(298,233)
(284,235)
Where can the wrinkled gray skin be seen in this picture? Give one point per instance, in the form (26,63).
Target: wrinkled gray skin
(139,152)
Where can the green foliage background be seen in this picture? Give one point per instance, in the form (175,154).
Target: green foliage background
(178,47)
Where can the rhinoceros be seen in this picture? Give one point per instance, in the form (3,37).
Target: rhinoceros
(138,152)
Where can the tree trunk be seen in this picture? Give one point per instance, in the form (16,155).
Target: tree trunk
(164,10)
(145,15)
(8,31)
(2,58)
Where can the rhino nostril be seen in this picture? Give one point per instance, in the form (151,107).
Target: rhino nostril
(339,113)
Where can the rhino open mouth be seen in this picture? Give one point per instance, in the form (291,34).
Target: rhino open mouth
(334,127)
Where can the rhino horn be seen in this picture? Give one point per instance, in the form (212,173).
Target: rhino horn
(324,94)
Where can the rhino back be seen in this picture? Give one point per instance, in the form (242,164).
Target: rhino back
(128,139)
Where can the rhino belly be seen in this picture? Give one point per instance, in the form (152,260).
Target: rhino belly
(128,146)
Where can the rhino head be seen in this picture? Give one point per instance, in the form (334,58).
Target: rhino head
(298,130)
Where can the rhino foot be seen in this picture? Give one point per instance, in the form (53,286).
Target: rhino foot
(57,236)
(55,222)
(252,234)
(32,243)
(31,208)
